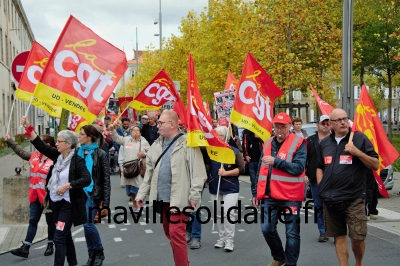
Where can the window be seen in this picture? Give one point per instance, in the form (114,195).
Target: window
(1,44)
(6,50)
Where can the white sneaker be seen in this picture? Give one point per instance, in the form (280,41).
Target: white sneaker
(220,244)
(228,246)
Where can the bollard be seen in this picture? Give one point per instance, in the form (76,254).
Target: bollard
(15,199)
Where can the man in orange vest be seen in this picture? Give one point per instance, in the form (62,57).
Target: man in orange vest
(280,188)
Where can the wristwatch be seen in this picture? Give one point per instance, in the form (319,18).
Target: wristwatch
(70,186)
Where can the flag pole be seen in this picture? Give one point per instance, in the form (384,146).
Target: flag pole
(9,119)
(118,117)
(27,109)
(219,177)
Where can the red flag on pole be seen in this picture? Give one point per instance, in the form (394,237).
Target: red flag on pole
(366,120)
(254,99)
(82,71)
(37,60)
(325,108)
(161,89)
(200,131)
(231,82)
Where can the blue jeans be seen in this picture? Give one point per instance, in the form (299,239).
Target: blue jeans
(35,212)
(270,215)
(253,167)
(318,207)
(194,226)
(93,241)
(62,213)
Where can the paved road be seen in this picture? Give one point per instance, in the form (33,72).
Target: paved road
(145,244)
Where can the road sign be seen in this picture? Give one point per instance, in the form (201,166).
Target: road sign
(18,64)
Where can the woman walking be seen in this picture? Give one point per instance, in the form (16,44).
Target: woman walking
(228,192)
(40,172)
(69,177)
(134,147)
(97,192)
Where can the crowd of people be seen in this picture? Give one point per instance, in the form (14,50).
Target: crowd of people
(70,181)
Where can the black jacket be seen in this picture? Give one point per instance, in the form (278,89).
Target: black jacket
(146,133)
(78,177)
(101,177)
(312,157)
(252,146)
(341,181)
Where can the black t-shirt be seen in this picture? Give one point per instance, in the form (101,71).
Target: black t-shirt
(344,175)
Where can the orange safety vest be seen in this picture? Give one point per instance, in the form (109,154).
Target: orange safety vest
(283,186)
(38,175)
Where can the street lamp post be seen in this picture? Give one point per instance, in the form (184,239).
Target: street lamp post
(160,27)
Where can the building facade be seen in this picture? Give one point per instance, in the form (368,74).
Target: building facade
(16,36)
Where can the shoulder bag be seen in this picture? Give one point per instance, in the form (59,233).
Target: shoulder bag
(132,168)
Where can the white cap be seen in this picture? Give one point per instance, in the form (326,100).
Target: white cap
(323,118)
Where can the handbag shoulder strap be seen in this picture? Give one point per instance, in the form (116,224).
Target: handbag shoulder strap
(159,158)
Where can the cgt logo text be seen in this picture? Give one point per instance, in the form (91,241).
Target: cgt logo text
(250,217)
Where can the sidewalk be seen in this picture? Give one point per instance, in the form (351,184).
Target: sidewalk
(11,236)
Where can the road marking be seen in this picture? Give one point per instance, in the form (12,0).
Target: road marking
(241,197)
(112,211)
(123,229)
(134,255)
(41,247)
(388,214)
(241,230)
(111,226)
(117,239)
(142,223)
(77,231)
(127,224)
(79,239)
(149,231)
(387,229)
(214,232)
(3,233)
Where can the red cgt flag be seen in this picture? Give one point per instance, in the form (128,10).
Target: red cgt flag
(231,82)
(254,99)
(77,122)
(180,109)
(123,104)
(366,120)
(325,108)
(161,89)
(36,62)
(200,131)
(82,71)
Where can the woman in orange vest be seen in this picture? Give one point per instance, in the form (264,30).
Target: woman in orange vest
(40,172)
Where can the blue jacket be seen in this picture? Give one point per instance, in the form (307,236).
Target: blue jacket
(229,184)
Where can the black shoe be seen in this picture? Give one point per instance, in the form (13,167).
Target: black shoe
(99,257)
(90,259)
(49,250)
(23,251)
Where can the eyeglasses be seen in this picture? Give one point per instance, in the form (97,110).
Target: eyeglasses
(60,141)
(280,128)
(340,120)
(160,123)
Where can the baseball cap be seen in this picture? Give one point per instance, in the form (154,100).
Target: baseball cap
(282,118)
(145,116)
(323,118)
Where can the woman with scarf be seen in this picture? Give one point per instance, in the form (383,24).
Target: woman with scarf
(98,191)
(40,172)
(69,177)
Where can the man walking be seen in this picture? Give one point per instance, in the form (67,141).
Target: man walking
(280,188)
(324,129)
(150,130)
(169,181)
(252,147)
(341,175)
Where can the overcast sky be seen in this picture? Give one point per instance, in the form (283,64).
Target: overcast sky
(115,21)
